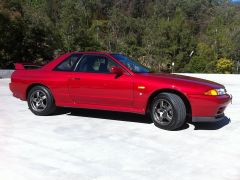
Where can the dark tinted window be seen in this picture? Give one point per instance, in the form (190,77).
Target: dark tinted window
(96,64)
(69,63)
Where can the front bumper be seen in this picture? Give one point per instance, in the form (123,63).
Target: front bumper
(209,108)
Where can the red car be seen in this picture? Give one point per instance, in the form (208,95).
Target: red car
(107,81)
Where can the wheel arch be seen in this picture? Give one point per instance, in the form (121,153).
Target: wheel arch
(33,85)
(173,91)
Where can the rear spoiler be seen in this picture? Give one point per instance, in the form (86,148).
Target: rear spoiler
(21,66)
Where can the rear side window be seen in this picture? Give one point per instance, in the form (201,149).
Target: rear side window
(69,63)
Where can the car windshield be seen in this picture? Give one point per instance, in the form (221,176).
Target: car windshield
(131,64)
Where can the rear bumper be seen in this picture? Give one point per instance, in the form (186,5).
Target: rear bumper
(208,119)
(12,89)
(17,90)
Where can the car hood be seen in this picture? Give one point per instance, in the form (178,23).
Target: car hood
(185,79)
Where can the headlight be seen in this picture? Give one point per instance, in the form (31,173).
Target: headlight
(216,92)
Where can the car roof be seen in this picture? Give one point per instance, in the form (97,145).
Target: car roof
(91,52)
(95,52)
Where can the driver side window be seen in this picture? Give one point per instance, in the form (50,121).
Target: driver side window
(95,64)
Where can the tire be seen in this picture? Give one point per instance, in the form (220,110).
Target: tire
(168,111)
(41,101)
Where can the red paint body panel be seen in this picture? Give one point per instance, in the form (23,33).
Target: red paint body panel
(101,89)
(105,91)
(207,106)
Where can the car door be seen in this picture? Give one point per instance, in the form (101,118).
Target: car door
(92,83)
(58,79)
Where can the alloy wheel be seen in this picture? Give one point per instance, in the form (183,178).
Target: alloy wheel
(163,112)
(38,100)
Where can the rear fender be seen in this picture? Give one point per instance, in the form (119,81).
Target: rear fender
(19,66)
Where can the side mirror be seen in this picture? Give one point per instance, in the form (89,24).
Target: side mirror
(117,70)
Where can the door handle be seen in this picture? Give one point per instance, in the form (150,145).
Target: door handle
(77,79)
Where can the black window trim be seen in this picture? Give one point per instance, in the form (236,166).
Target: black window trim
(83,55)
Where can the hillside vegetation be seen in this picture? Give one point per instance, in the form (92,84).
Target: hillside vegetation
(197,35)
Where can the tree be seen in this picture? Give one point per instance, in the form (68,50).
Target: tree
(203,60)
(11,32)
(192,34)
(75,28)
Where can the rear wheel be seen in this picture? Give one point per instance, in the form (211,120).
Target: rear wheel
(41,101)
(168,111)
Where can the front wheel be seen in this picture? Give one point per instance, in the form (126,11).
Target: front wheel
(41,101)
(168,111)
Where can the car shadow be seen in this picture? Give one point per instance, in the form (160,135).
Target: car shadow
(101,114)
(211,125)
(131,117)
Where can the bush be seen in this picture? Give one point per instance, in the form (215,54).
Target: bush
(225,66)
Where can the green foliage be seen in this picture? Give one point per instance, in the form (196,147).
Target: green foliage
(192,34)
(202,60)
(225,66)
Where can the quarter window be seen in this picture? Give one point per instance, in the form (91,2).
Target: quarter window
(69,63)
